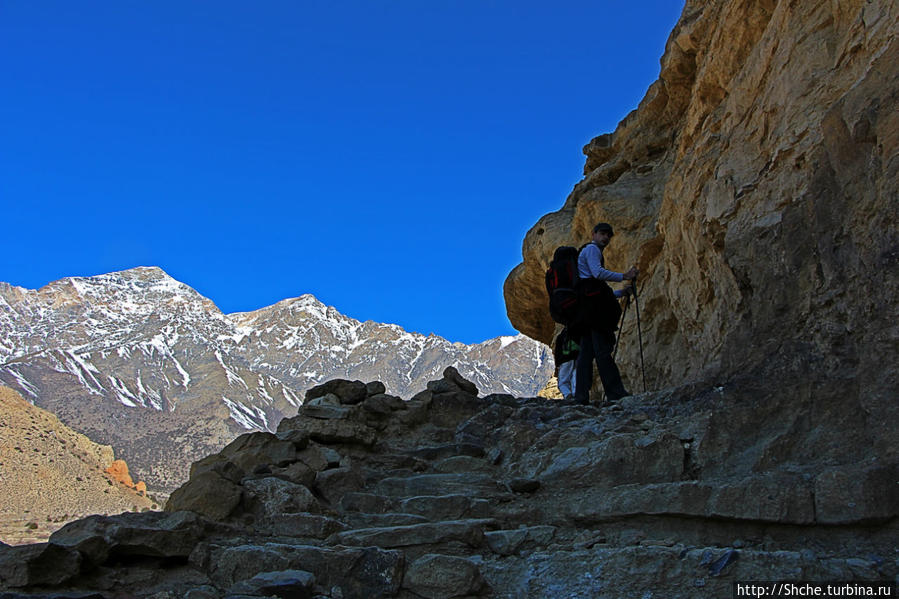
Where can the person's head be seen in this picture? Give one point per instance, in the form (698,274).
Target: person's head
(602,234)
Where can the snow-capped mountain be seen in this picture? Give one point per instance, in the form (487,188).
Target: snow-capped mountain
(142,362)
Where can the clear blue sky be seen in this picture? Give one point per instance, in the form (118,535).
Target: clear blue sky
(386,156)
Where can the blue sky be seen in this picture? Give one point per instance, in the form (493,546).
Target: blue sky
(387,157)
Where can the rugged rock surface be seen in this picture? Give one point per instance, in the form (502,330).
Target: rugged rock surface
(144,363)
(50,475)
(756,188)
(452,495)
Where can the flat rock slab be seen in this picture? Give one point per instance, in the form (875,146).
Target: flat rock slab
(447,507)
(286,584)
(439,452)
(303,525)
(387,520)
(439,484)
(509,542)
(470,532)
(783,499)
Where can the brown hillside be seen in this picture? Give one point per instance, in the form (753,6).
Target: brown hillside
(50,475)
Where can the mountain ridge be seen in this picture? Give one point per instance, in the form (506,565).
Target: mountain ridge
(91,349)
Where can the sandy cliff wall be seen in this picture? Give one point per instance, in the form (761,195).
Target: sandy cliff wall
(756,188)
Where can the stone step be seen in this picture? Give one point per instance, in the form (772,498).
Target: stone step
(472,484)
(396,461)
(368,503)
(468,532)
(301,525)
(439,452)
(363,520)
(511,542)
(461,464)
(447,507)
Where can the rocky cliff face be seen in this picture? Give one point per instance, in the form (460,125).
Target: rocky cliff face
(363,495)
(146,364)
(756,188)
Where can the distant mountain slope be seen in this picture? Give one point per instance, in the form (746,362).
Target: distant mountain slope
(142,362)
(49,474)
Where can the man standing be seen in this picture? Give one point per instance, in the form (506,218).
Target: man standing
(600,314)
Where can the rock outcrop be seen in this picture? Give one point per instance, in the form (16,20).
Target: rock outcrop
(362,495)
(51,475)
(755,186)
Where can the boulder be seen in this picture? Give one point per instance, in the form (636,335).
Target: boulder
(286,584)
(349,392)
(220,465)
(41,564)
(375,388)
(208,493)
(299,472)
(330,431)
(326,411)
(314,457)
(328,399)
(452,382)
(382,404)
(451,374)
(335,483)
(443,577)
(149,534)
(358,572)
(274,496)
(252,450)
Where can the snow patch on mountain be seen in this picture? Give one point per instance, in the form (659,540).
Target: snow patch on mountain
(144,340)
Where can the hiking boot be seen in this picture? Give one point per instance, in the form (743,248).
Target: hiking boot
(615,398)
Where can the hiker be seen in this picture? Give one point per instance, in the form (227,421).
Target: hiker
(565,355)
(599,314)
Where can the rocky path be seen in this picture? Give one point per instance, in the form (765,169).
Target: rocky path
(449,495)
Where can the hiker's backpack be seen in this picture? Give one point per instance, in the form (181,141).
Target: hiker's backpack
(561,285)
(565,348)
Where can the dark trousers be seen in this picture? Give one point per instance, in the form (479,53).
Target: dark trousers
(597,345)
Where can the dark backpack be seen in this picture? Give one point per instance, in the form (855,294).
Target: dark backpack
(561,285)
(566,348)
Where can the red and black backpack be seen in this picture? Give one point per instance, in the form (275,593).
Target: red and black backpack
(561,285)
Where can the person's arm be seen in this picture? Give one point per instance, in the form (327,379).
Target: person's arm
(594,266)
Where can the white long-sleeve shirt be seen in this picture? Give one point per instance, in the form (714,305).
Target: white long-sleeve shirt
(590,266)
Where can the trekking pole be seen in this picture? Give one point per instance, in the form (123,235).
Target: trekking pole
(639,335)
(627,302)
